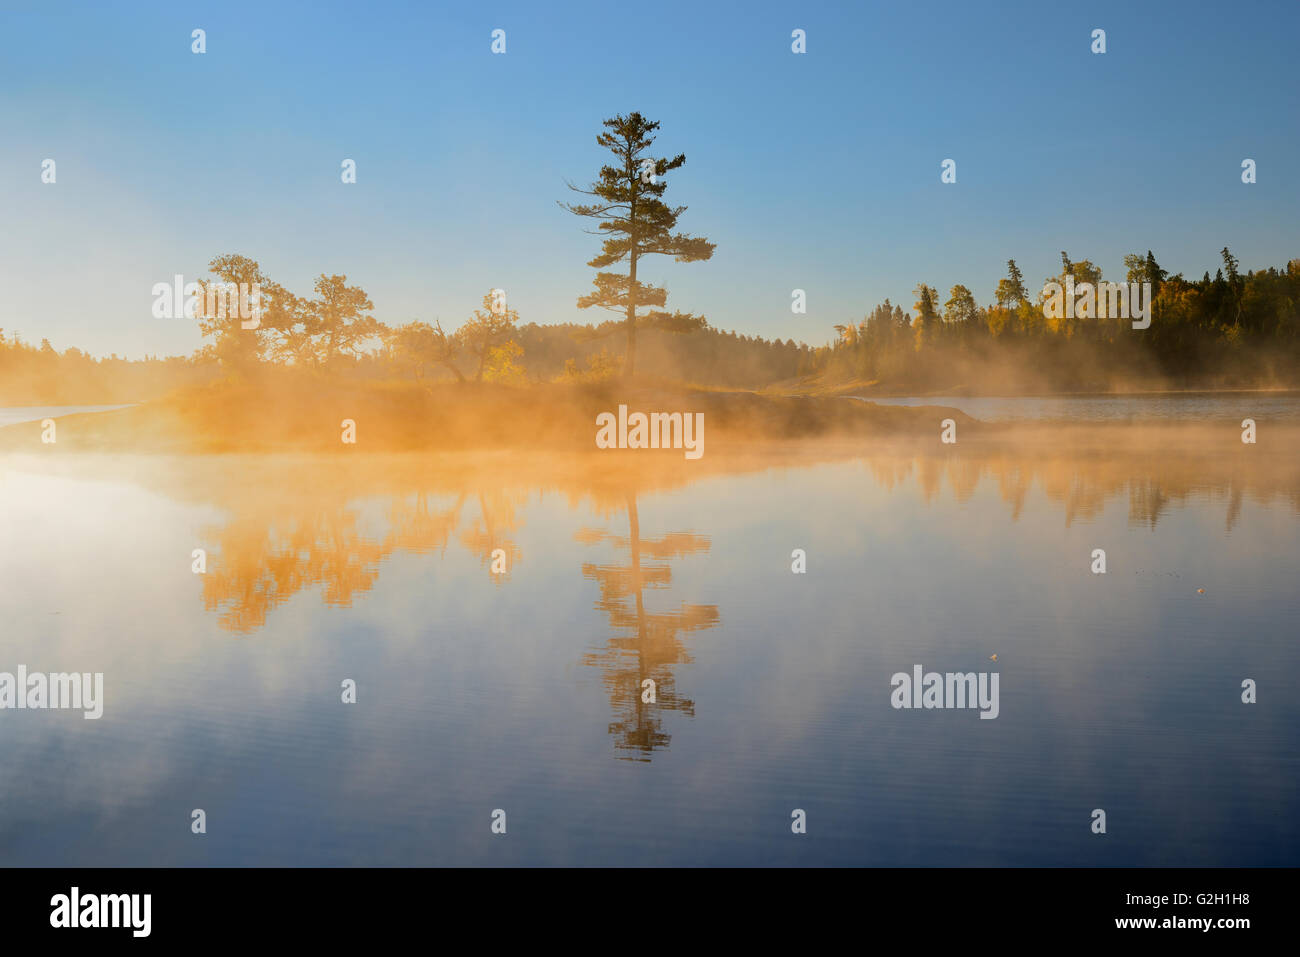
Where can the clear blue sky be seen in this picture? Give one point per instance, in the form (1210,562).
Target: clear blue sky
(817,171)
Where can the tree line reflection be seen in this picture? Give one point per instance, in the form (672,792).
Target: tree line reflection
(296,527)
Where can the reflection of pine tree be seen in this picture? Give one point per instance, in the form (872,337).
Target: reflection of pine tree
(648,643)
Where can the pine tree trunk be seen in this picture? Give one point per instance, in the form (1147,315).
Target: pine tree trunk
(631,321)
(630,368)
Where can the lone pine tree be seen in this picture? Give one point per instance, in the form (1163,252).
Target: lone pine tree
(636,222)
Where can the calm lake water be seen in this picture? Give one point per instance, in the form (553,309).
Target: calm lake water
(13,415)
(1184,406)
(522,691)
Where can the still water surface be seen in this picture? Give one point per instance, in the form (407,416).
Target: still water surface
(523,692)
(12,415)
(1182,406)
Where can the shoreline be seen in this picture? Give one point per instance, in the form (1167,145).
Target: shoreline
(319,415)
(960,393)
(828,391)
